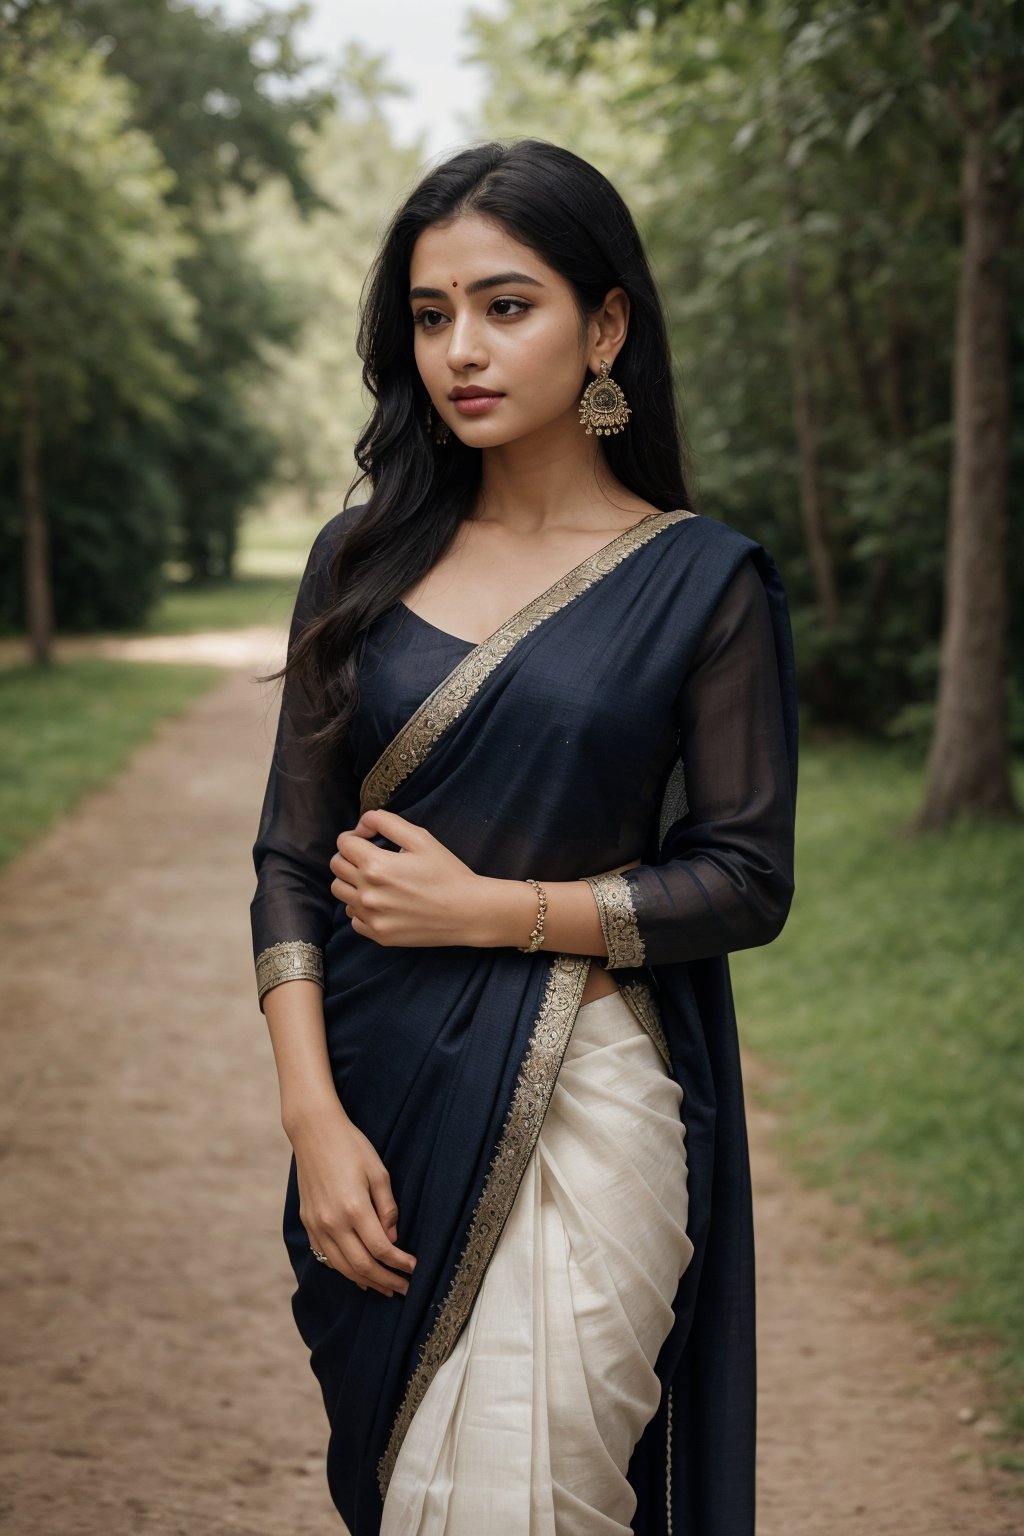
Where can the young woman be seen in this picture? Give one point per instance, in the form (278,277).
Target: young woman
(534,778)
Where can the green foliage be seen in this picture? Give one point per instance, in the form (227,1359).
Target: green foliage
(65,730)
(750,140)
(220,100)
(891,1002)
(114,509)
(133,323)
(89,245)
(91,302)
(312,387)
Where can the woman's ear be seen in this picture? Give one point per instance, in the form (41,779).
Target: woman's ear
(608,329)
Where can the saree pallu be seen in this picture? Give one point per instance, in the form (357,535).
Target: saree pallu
(530,1424)
(643,706)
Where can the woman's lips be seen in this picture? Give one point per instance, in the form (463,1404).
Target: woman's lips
(476,405)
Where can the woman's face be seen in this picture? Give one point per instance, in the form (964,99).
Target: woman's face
(494,320)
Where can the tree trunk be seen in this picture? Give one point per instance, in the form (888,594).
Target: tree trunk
(38,579)
(969,766)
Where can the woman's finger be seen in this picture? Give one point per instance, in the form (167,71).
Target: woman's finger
(380,1247)
(344,867)
(338,1258)
(366,1268)
(385,1204)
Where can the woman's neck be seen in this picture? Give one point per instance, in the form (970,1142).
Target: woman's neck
(553,478)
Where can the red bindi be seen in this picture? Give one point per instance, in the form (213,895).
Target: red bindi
(454,284)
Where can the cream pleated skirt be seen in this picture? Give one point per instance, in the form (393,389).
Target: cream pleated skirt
(528,1427)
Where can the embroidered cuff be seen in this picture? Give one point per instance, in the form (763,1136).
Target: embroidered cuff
(295,960)
(618,921)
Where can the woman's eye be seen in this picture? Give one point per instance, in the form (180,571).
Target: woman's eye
(500,306)
(503,309)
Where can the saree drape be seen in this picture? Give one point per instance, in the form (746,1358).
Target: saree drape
(530,1424)
(644,706)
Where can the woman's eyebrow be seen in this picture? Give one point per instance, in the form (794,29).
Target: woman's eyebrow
(481,283)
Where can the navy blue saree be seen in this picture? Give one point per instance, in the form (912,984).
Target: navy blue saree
(644,706)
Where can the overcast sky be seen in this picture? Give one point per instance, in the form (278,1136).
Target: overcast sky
(424,42)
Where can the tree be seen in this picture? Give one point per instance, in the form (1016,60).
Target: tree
(148,424)
(311,387)
(974,55)
(89,297)
(802,211)
(232,108)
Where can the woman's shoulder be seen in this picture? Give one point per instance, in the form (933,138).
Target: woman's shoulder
(723,559)
(327,542)
(708,543)
(335,528)
(315,587)
(717,534)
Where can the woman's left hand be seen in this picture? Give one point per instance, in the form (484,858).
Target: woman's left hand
(420,896)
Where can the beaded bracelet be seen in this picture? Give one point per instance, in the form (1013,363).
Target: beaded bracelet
(537,936)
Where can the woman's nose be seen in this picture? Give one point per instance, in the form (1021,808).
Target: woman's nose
(466,345)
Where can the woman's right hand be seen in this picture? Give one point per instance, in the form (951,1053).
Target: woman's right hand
(346,1204)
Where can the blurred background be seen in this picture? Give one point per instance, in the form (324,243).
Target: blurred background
(190,197)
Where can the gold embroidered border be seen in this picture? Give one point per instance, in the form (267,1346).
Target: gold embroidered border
(640,997)
(668,1466)
(534,1087)
(618,921)
(294,960)
(441,708)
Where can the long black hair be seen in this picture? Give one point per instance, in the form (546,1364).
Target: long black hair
(560,206)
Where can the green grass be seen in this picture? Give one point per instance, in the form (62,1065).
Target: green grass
(276,545)
(66,729)
(187,610)
(271,554)
(893,1002)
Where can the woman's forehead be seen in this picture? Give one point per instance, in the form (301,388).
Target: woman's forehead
(469,247)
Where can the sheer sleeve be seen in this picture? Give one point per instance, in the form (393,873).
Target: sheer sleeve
(293,909)
(724,880)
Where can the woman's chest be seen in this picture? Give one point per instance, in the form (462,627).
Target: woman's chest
(401,661)
(578,697)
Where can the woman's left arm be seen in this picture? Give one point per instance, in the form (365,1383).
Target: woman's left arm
(724,880)
(726,877)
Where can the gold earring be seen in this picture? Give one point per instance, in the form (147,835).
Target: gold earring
(437,429)
(603,408)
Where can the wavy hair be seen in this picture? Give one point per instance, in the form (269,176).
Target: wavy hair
(560,206)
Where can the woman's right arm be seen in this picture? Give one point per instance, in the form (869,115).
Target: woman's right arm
(346,1203)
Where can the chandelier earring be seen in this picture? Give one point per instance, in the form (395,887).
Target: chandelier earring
(439,431)
(603,408)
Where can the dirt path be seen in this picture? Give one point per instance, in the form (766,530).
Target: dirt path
(259,647)
(153,1380)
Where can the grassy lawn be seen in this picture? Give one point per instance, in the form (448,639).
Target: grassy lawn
(186,610)
(893,1003)
(271,554)
(67,729)
(276,546)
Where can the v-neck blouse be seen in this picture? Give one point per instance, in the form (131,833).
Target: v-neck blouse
(402,660)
